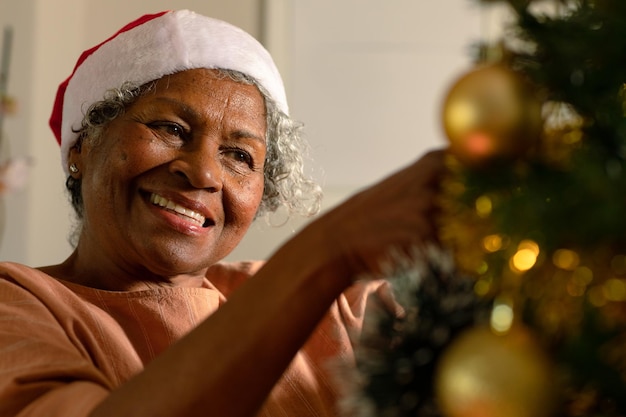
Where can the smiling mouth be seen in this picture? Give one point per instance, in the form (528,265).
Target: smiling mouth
(160,201)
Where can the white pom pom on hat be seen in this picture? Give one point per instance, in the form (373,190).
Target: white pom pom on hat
(151,47)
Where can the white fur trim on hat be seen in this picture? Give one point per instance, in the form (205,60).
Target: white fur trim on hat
(159,45)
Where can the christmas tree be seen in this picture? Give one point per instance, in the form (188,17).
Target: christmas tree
(528,317)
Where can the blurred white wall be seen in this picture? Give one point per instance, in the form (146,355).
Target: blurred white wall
(367,78)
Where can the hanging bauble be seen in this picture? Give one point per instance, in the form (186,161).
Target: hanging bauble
(490,114)
(489,375)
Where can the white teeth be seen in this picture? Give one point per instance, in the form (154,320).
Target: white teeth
(170,205)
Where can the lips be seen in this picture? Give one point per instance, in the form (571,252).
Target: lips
(181,210)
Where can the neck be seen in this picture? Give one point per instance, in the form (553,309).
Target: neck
(113,277)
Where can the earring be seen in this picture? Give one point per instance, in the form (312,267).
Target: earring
(73,169)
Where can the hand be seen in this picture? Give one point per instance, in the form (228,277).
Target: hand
(396,214)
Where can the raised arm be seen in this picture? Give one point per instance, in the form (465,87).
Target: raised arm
(228,364)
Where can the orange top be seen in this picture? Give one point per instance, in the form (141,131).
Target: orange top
(63,346)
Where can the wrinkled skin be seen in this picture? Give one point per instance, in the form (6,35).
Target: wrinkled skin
(197,141)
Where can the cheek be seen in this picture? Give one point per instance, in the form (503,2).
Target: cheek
(130,147)
(135,157)
(244,203)
(111,166)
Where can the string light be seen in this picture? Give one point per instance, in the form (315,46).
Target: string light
(492,243)
(484,206)
(566,259)
(502,315)
(525,257)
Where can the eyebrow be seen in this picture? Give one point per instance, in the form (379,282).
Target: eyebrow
(192,113)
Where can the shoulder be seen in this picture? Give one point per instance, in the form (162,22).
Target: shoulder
(13,268)
(228,276)
(21,283)
(16,274)
(237,271)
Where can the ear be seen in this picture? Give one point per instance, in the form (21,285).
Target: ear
(75,161)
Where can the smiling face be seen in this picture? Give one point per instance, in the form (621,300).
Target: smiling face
(173,184)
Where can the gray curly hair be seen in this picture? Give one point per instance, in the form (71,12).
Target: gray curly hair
(286,183)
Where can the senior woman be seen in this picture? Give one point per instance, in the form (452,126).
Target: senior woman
(175,136)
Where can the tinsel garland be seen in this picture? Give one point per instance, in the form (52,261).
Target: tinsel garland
(397,357)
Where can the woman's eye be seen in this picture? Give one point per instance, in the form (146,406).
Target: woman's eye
(169,128)
(240,155)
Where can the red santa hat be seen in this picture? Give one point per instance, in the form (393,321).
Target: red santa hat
(154,46)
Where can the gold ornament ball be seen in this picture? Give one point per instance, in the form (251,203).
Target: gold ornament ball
(490,113)
(483,374)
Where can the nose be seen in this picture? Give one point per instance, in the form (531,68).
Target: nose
(200,166)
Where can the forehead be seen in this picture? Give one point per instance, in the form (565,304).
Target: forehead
(205,90)
(209,82)
(205,96)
